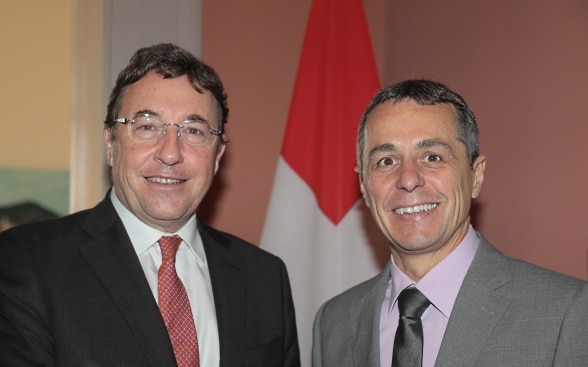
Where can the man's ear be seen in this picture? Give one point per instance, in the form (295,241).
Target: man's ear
(107,135)
(478,172)
(219,154)
(362,187)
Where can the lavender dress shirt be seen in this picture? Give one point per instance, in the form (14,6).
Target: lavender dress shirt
(440,285)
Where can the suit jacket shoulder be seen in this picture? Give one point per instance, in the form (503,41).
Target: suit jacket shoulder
(72,288)
(346,328)
(512,313)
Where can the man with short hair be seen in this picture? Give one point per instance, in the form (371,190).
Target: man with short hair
(140,280)
(447,298)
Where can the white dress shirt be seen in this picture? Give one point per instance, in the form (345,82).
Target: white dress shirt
(192,269)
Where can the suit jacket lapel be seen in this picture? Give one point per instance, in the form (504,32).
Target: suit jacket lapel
(477,309)
(111,256)
(228,287)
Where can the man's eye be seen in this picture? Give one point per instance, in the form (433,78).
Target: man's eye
(433,158)
(194,131)
(147,127)
(387,161)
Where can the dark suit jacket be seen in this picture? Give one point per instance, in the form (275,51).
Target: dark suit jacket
(73,293)
(508,313)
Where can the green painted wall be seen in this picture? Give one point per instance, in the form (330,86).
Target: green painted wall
(47,188)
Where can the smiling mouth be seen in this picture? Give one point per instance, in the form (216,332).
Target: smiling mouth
(165,181)
(415,209)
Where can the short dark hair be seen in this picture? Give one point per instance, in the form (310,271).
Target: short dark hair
(425,92)
(169,61)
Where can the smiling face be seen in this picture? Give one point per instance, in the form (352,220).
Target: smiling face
(417,181)
(163,181)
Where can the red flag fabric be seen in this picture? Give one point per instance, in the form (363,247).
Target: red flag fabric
(336,78)
(316,221)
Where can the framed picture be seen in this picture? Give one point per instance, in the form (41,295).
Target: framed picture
(32,195)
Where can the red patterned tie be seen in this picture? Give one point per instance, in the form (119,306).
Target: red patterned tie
(175,307)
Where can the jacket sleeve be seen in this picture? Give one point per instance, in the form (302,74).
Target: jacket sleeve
(572,344)
(292,352)
(25,339)
(316,339)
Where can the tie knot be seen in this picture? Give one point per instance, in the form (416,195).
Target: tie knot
(169,246)
(412,303)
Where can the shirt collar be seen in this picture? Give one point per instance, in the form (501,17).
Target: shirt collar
(442,283)
(143,236)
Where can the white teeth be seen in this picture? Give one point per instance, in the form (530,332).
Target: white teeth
(162,180)
(415,209)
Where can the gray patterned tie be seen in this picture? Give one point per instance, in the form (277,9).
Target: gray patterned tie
(408,342)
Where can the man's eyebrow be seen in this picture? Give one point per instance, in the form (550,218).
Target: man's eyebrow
(428,143)
(146,112)
(388,147)
(421,144)
(195,117)
(191,117)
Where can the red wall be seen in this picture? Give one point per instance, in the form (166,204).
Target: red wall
(521,65)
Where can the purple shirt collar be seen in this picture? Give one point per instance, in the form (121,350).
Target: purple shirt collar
(441,284)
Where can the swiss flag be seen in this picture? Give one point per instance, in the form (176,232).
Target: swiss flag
(316,221)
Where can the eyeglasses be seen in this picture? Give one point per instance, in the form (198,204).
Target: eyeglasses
(148,127)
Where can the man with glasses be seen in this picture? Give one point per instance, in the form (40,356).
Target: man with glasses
(140,280)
